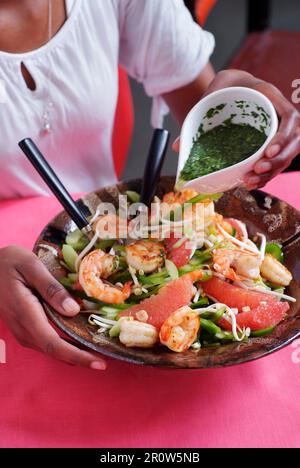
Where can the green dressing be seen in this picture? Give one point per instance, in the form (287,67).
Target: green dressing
(222,147)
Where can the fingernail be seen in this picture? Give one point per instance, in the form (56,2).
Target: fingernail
(273,150)
(98,365)
(253,180)
(70,306)
(263,167)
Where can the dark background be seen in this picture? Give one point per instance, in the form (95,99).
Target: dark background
(228,23)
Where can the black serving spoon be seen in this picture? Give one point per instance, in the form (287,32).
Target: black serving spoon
(155,160)
(39,162)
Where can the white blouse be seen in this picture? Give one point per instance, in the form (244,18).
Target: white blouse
(155,41)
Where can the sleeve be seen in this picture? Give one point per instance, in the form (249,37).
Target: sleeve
(162,47)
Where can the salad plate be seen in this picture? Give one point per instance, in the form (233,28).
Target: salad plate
(278,223)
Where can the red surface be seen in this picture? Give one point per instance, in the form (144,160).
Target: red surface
(46,403)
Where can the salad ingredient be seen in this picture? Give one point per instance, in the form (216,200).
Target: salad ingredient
(171,297)
(137,334)
(134,197)
(239,227)
(172,270)
(222,147)
(178,250)
(77,240)
(263,316)
(180,329)
(264,332)
(177,282)
(95,267)
(246,264)
(70,257)
(273,270)
(234,296)
(180,197)
(210,326)
(145,255)
(275,250)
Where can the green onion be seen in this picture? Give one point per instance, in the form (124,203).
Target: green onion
(200,198)
(134,197)
(233,232)
(202,302)
(77,240)
(110,312)
(172,270)
(275,250)
(266,331)
(213,316)
(209,326)
(120,277)
(225,336)
(70,256)
(73,277)
(115,331)
(105,244)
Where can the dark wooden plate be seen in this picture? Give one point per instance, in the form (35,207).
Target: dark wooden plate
(280,222)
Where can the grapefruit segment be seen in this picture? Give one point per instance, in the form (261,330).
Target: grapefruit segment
(262,317)
(180,255)
(235,297)
(171,297)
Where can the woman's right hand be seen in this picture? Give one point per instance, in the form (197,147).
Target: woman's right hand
(21,274)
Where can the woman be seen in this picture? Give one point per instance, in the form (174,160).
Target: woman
(59,62)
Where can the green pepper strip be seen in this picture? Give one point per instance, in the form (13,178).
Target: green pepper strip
(209,326)
(266,331)
(202,302)
(275,250)
(200,198)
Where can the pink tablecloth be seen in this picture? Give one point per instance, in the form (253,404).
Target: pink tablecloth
(45,403)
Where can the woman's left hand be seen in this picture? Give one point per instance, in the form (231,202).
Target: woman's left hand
(285,146)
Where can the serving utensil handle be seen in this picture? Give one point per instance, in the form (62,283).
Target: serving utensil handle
(154,164)
(41,165)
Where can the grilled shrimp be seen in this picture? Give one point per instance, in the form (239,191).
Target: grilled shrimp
(137,334)
(110,226)
(179,197)
(272,270)
(232,262)
(180,330)
(95,267)
(147,256)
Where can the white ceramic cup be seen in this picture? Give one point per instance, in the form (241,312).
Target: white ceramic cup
(257,111)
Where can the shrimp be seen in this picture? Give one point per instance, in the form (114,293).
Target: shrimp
(232,262)
(147,256)
(137,334)
(180,330)
(95,267)
(110,226)
(272,270)
(179,197)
